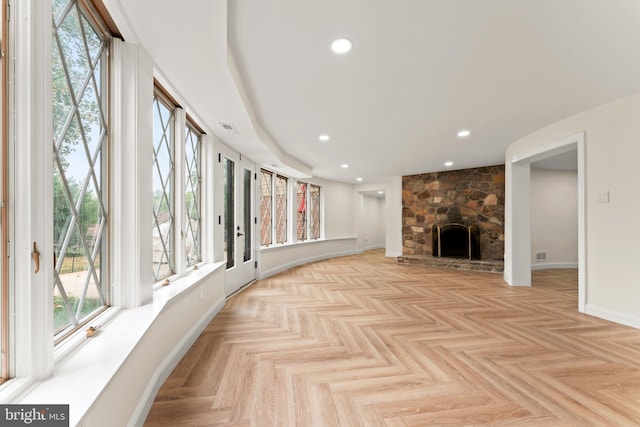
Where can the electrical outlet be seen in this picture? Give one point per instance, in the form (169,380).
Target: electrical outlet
(602,197)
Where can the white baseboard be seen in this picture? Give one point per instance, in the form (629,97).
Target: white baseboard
(554,265)
(613,316)
(170,362)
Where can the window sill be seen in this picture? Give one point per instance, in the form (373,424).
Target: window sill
(83,370)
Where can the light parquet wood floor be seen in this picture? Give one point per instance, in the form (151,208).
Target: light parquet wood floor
(364,341)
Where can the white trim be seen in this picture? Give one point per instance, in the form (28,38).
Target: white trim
(613,316)
(31,186)
(517,225)
(554,265)
(170,362)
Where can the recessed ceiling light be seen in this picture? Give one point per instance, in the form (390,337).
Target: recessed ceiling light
(447,164)
(344,166)
(380,192)
(359,179)
(324,138)
(464,133)
(341,46)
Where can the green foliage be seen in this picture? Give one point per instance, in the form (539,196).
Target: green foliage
(77,120)
(69,54)
(89,214)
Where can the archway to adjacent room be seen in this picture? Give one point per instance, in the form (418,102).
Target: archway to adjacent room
(518,255)
(372,219)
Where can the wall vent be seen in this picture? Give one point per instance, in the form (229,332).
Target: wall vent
(228,128)
(541,256)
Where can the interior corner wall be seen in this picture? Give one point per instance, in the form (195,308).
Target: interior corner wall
(554,218)
(392,188)
(371,227)
(611,158)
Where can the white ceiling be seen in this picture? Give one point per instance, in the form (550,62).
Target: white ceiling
(564,161)
(419,71)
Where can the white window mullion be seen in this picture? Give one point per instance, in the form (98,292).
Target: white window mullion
(131,193)
(179,241)
(308,208)
(31,193)
(292,218)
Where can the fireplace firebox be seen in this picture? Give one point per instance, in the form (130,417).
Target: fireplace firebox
(456,241)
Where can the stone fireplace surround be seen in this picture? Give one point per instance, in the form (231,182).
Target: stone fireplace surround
(470,197)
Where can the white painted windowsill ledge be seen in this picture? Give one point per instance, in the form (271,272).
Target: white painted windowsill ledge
(82,373)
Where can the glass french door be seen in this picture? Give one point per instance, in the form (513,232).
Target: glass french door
(239,221)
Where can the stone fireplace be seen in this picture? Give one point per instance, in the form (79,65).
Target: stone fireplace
(454,215)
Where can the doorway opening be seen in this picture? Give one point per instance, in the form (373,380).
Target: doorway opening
(518,256)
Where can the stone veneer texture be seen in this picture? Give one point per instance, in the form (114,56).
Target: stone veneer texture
(468,196)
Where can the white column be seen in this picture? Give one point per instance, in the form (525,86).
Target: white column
(517,257)
(393,217)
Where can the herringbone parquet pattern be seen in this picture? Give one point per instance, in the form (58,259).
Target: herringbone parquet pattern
(364,341)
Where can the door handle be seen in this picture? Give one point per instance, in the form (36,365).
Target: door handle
(36,257)
(239,234)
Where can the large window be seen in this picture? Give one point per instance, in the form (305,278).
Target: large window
(163,187)
(266,192)
(308,211)
(282,194)
(79,77)
(274,211)
(301,199)
(193,195)
(314,211)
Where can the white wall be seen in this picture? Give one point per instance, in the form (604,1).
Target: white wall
(392,188)
(338,209)
(371,224)
(554,217)
(612,151)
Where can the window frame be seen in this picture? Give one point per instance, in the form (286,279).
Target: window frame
(302,230)
(310,212)
(160,95)
(269,210)
(4,188)
(191,128)
(266,211)
(281,230)
(99,24)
